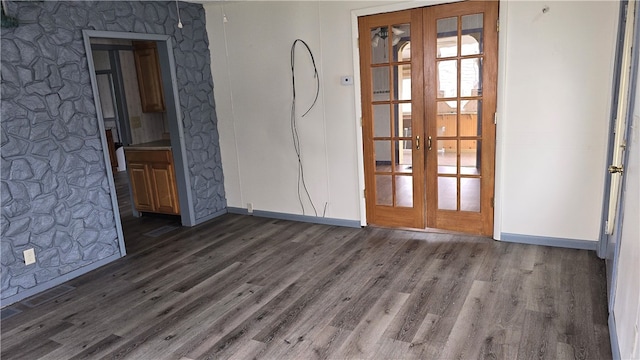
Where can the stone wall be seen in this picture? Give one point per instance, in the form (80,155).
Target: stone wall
(55,195)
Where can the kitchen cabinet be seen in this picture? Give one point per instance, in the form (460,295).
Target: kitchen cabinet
(153,180)
(149,76)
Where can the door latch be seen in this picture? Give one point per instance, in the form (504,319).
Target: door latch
(616,169)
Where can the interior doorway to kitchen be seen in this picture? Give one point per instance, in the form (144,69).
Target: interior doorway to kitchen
(122,127)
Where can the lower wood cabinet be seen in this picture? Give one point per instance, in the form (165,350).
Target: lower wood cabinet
(153,181)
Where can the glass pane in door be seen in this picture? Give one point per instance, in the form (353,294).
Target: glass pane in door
(470,80)
(404,191)
(447,156)
(383,153)
(470,157)
(402,82)
(447,118)
(401,38)
(471,118)
(447,79)
(472,41)
(379,46)
(382,120)
(470,194)
(384,190)
(380,80)
(447,43)
(447,193)
(404,156)
(403,126)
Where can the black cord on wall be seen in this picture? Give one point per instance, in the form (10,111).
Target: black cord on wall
(294,126)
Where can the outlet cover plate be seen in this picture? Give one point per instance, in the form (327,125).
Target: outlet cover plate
(29,256)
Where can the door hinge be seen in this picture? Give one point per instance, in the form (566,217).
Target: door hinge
(493,203)
(361,122)
(615,169)
(364,193)
(498,25)
(495,118)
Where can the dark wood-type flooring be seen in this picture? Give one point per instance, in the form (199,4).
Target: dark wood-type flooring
(247,287)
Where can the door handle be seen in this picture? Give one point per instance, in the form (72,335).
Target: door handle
(429,143)
(417,142)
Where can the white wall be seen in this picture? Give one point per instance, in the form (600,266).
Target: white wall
(252,79)
(554,114)
(626,308)
(556,72)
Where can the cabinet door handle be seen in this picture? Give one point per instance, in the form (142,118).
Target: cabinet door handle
(417,142)
(429,143)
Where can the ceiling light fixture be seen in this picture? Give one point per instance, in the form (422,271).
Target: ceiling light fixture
(383,34)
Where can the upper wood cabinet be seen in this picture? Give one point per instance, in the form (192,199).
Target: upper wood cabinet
(149,76)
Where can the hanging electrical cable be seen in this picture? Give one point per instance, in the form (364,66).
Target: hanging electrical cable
(178,11)
(294,126)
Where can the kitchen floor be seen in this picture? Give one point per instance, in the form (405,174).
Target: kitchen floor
(140,232)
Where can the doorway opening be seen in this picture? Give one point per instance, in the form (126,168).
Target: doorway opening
(428,87)
(141,130)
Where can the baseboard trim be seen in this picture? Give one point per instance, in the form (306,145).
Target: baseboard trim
(237,210)
(300,218)
(210,216)
(613,336)
(57,281)
(549,241)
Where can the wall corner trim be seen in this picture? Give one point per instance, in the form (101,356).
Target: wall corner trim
(613,336)
(549,241)
(57,281)
(299,218)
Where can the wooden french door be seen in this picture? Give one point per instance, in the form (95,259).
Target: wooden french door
(392,112)
(429,98)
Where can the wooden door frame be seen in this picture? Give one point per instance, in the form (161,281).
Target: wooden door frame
(500,100)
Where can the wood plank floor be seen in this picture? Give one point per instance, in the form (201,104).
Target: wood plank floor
(246,287)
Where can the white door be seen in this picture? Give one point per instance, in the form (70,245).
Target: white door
(616,167)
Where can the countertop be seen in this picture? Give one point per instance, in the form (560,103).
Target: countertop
(153,145)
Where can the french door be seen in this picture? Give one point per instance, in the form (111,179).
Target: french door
(429,97)
(393,127)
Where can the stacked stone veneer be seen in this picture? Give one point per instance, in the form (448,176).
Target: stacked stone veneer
(54,191)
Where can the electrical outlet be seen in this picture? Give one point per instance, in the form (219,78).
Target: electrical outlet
(250,208)
(29,256)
